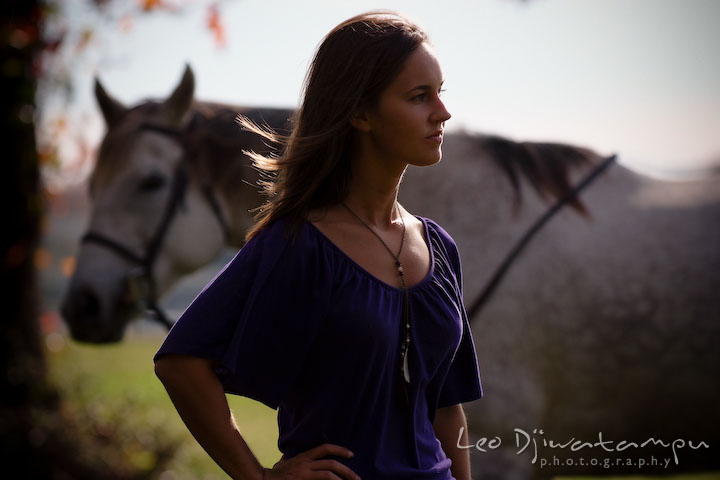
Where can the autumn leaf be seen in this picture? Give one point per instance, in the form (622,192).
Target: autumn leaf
(48,156)
(153,5)
(150,5)
(42,258)
(215,25)
(68,266)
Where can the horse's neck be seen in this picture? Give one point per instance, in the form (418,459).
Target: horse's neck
(235,194)
(234,182)
(239,218)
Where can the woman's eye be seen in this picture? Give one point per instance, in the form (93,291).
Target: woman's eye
(421,97)
(152,183)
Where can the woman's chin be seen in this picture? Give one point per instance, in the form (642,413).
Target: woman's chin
(427,161)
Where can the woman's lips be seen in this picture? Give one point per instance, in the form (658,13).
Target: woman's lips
(435,137)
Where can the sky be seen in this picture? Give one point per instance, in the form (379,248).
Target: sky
(640,78)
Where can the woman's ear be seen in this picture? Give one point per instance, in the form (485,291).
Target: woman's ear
(359,121)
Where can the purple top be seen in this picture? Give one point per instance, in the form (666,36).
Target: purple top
(301,327)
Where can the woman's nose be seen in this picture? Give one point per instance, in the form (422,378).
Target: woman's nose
(441,113)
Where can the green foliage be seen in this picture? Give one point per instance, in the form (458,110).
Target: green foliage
(114,396)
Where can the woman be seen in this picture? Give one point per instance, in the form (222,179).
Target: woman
(343,310)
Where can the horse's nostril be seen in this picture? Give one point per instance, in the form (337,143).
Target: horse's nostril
(81,308)
(89,306)
(83,313)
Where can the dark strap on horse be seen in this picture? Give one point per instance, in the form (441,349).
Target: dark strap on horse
(207,189)
(215,206)
(120,249)
(146,261)
(175,202)
(500,272)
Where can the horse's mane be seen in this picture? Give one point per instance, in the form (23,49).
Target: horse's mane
(548,167)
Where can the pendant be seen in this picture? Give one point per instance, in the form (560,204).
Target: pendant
(406,369)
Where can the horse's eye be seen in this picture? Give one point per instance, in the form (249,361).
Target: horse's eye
(152,183)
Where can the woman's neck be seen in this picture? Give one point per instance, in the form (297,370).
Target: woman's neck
(373,191)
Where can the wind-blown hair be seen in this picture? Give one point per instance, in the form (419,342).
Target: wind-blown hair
(354,63)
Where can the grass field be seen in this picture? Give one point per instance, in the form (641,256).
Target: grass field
(115,386)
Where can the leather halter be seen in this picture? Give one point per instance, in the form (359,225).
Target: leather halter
(503,268)
(142,278)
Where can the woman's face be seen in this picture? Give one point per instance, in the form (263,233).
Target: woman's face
(407,123)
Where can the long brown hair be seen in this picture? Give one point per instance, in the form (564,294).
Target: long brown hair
(352,66)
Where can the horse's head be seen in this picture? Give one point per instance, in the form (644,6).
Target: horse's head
(150,222)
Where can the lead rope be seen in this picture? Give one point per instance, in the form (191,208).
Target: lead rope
(501,270)
(405,345)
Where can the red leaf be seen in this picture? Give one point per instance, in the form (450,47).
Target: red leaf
(215,25)
(149,5)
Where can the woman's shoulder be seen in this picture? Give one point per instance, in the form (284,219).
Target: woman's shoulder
(436,229)
(287,248)
(442,242)
(282,239)
(283,231)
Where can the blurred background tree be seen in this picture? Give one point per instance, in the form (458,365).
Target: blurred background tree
(23,383)
(39,437)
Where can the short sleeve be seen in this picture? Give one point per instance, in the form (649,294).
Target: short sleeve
(462,382)
(259,316)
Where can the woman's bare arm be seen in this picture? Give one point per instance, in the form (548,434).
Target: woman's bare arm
(200,400)
(447,425)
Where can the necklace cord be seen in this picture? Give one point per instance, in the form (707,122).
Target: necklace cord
(405,345)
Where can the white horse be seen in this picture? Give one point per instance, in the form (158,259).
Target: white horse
(608,321)
(604,328)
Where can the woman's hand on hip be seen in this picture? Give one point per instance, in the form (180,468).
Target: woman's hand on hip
(312,465)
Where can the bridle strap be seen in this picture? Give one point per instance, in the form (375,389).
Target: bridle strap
(120,249)
(146,262)
(177,195)
(512,255)
(206,189)
(175,201)
(217,210)
(148,259)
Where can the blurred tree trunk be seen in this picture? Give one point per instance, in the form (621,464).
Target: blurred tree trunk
(38,439)
(23,384)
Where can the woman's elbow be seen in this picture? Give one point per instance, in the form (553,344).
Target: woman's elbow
(164,368)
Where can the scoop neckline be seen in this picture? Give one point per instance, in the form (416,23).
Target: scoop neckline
(428,276)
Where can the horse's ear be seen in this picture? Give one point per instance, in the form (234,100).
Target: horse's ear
(111,109)
(179,102)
